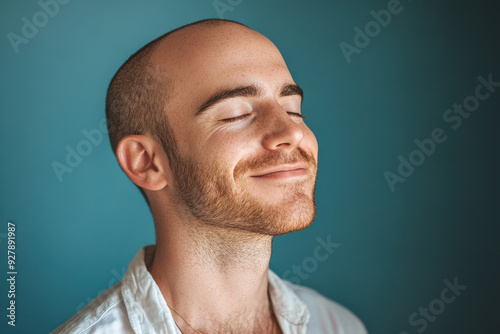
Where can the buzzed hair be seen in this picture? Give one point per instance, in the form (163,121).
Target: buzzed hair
(137,95)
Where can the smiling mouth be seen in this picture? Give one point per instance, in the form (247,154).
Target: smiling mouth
(283,172)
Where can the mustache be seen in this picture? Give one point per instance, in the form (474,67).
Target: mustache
(275,159)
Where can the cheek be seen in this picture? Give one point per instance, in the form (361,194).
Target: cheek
(226,152)
(231,141)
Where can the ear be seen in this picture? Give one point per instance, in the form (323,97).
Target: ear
(143,160)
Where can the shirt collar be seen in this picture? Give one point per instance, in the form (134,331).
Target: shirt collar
(148,312)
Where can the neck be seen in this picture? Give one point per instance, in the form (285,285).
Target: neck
(216,278)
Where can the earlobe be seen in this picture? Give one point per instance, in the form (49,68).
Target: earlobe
(140,158)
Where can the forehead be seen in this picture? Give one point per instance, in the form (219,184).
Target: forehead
(204,59)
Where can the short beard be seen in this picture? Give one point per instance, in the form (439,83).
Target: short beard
(207,192)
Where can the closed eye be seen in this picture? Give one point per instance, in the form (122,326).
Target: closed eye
(296,114)
(235,119)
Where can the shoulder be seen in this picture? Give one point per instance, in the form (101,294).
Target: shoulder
(327,316)
(105,314)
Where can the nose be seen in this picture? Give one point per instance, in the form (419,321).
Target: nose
(281,130)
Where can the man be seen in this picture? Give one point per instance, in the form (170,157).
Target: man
(214,137)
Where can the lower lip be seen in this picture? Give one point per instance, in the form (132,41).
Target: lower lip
(284,174)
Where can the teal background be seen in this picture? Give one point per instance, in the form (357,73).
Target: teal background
(76,237)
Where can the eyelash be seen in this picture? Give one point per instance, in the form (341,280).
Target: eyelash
(235,119)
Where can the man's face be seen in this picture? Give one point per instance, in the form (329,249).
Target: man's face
(248,160)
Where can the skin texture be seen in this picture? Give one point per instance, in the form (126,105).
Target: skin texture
(215,218)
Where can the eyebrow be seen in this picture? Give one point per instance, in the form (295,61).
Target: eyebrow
(247,91)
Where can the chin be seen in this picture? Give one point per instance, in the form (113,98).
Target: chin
(300,218)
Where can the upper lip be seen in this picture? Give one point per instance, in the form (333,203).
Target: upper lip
(282,168)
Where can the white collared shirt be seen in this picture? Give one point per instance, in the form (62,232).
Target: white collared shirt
(136,305)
